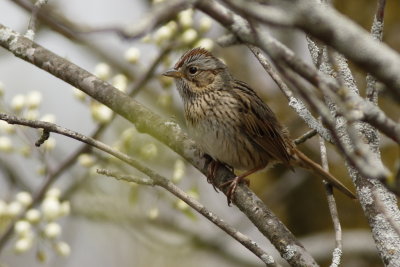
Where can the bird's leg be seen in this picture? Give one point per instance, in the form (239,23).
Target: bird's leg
(232,184)
(211,171)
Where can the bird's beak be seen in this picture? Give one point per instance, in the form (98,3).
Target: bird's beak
(173,73)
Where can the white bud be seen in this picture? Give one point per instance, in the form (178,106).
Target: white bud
(79,94)
(5,144)
(149,151)
(103,71)
(33,99)
(23,244)
(51,118)
(179,171)
(24,198)
(52,230)
(157,1)
(189,36)
(65,208)
(172,26)
(63,249)
(128,134)
(49,144)
(50,208)
(86,160)
(162,34)
(101,113)
(120,82)
(205,24)
(153,213)
(53,192)
(18,102)
(205,43)
(22,228)
(33,216)
(185,18)
(14,209)
(132,55)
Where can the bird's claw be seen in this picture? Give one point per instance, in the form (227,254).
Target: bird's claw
(211,173)
(232,184)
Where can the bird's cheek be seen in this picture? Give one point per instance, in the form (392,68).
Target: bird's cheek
(196,87)
(203,82)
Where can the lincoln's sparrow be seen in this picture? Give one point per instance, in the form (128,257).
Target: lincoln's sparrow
(231,123)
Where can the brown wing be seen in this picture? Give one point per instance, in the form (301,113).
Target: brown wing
(261,125)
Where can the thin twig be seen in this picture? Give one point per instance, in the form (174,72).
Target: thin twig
(301,139)
(30,33)
(158,180)
(371,91)
(127,177)
(332,208)
(377,34)
(259,54)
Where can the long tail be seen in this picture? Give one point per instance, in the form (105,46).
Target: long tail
(307,163)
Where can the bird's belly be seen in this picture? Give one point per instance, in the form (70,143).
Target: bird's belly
(226,145)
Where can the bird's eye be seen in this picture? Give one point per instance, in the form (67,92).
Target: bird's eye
(192,70)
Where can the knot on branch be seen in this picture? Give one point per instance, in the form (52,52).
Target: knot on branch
(45,135)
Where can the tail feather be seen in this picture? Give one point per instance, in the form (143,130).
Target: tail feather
(307,163)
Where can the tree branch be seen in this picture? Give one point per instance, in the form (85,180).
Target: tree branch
(337,253)
(30,33)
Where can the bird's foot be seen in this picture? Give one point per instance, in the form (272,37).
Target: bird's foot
(211,172)
(232,184)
